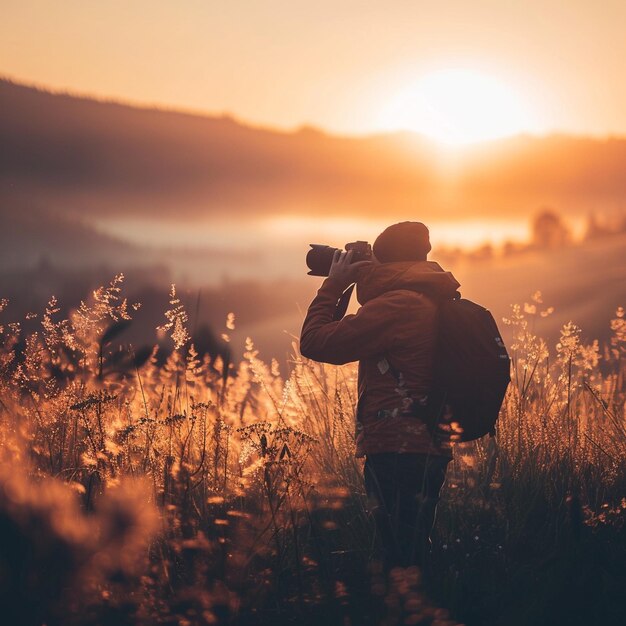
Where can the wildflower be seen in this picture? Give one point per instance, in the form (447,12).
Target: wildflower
(569,344)
(589,356)
(176,321)
(618,339)
(96,397)
(230,321)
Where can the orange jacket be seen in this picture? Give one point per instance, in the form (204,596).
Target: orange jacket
(396,322)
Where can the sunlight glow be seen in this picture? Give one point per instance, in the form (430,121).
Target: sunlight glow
(458,106)
(462,233)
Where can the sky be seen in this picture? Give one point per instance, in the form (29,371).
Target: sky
(350,67)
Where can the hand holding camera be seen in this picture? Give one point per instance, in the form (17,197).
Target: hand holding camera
(320,257)
(343,269)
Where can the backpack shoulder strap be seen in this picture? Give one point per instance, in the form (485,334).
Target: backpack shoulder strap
(342,304)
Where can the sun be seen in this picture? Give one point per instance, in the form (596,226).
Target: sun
(458,106)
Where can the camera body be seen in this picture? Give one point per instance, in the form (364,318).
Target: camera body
(320,257)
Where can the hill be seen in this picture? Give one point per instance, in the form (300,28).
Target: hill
(94,158)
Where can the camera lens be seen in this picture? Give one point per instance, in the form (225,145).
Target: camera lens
(319,259)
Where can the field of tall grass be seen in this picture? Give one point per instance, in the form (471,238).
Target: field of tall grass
(138,489)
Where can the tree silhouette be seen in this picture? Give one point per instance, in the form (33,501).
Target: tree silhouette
(549,230)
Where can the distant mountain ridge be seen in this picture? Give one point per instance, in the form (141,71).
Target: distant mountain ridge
(94,158)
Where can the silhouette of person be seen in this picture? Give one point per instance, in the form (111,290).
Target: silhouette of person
(393,336)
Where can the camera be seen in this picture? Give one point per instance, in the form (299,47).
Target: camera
(320,257)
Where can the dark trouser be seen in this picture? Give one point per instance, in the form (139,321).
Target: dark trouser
(403,491)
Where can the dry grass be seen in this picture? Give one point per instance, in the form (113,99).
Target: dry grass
(192,493)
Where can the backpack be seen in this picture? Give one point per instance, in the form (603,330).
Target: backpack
(471,372)
(472,368)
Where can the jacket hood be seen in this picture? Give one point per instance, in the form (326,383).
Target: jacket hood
(423,276)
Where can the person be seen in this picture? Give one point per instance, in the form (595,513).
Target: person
(393,337)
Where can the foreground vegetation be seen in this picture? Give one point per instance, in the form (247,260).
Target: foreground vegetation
(139,489)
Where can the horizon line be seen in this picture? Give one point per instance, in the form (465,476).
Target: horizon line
(303,127)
